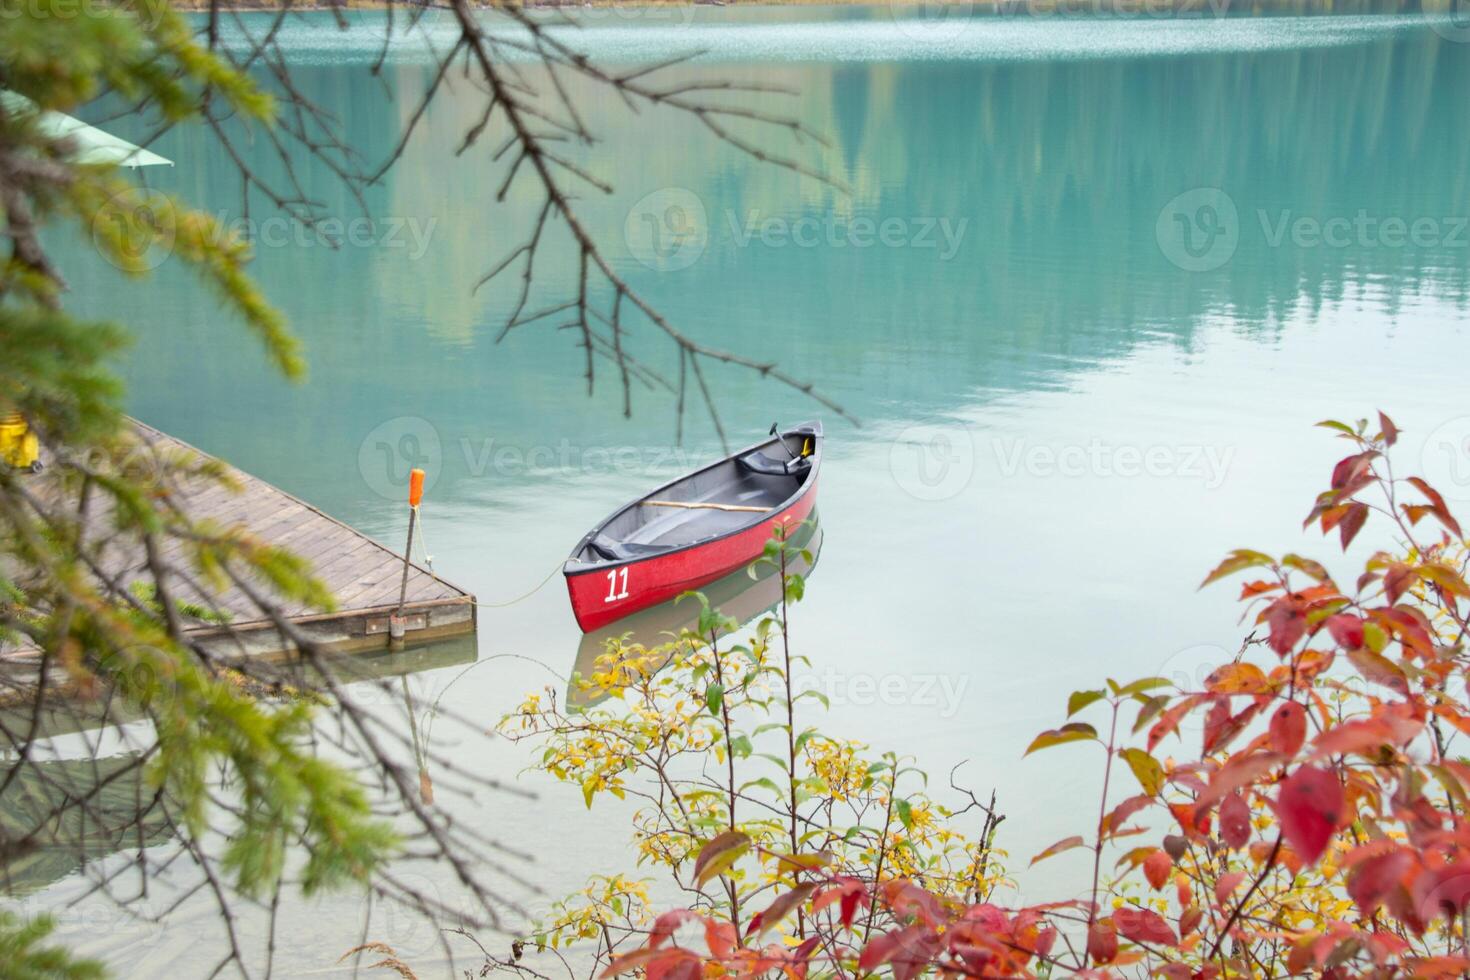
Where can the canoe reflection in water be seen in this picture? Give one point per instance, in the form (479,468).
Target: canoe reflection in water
(737,595)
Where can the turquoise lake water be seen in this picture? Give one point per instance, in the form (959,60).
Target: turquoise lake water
(1090,285)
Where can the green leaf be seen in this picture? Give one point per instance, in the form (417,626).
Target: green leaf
(803,862)
(1081,699)
(1238,560)
(1306,566)
(826,702)
(714,697)
(804,737)
(1339,426)
(1150,708)
(740,747)
(1150,774)
(765,782)
(1066,844)
(1144,684)
(1077,731)
(718,855)
(905,813)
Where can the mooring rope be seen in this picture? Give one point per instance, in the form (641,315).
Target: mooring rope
(429,564)
(510,602)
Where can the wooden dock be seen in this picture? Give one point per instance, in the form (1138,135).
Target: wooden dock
(362,574)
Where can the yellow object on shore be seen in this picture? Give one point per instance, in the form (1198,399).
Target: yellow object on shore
(19,448)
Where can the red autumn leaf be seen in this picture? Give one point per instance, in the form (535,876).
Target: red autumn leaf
(1310,809)
(1364,736)
(1235,821)
(1288,729)
(1384,945)
(1437,505)
(1331,515)
(1236,678)
(721,938)
(852,893)
(1216,723)
(1346,630)
(1453,717)
(1156,868)
(1194,821)
(907,901)
(1442,891)
(1352,471)
(883,948)
(1396,581)
(1376,877)
(1226,885)
(1065,844)
(1408,626)
(1351,524)
(630,961)
(1243,769)
(780,908)
(801,956)
(1169,721)
(1144,926)
(1102,941)
(851,903)
(1221,726)
(1189,920)
(1379,670)
(1387,431)
(1113,822)
(673,963)
(666,923)
(1287,622)
(1299,959)
(1259,587)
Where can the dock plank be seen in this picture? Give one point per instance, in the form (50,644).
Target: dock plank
(363,575)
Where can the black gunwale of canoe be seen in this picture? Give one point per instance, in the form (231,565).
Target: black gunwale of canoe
(572,566)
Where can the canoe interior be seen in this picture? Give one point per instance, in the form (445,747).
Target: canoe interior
(642,529)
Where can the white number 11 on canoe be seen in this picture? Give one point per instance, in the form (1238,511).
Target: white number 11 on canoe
(613,595)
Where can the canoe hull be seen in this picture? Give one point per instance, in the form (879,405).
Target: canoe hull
(604,594)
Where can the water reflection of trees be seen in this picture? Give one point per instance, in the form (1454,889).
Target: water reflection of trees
(59,815)
(1060,169)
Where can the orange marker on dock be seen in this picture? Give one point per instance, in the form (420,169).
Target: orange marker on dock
(396,624)
(415,487)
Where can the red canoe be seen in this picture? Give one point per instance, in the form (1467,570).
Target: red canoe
(700,527)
